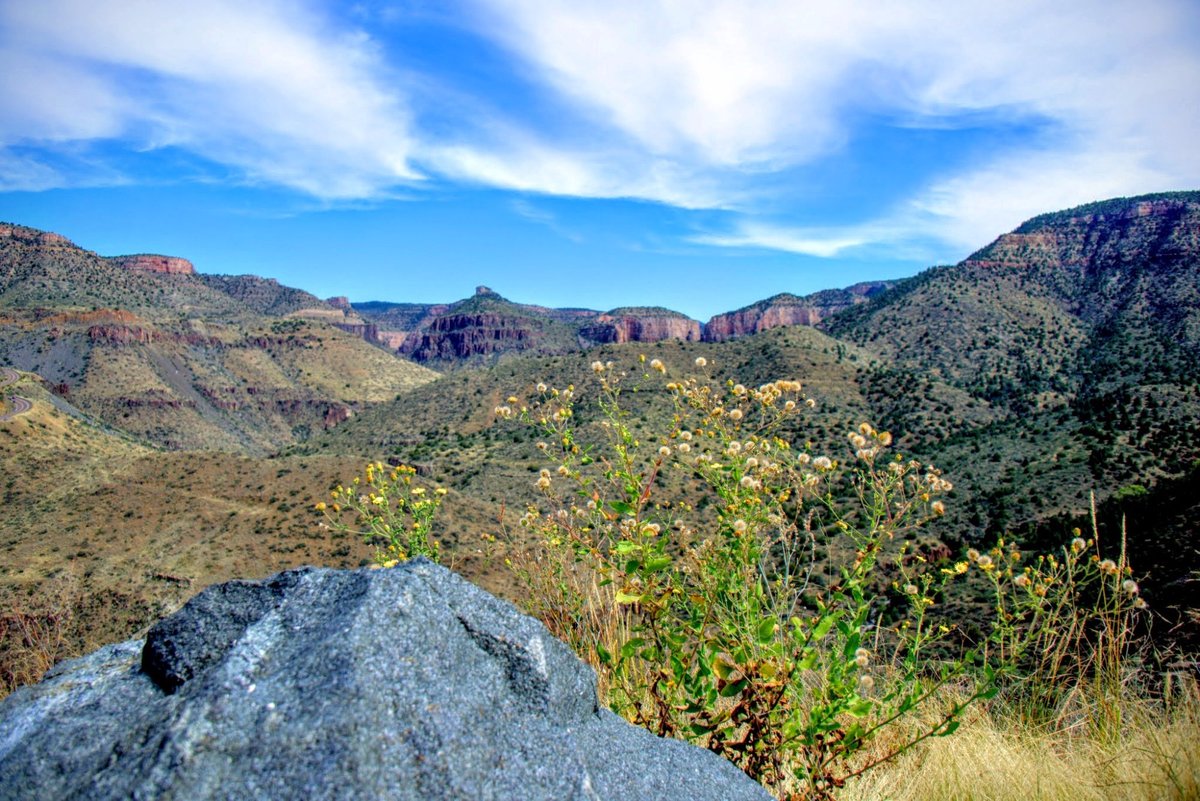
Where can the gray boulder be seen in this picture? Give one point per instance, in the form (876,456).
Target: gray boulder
(408,683)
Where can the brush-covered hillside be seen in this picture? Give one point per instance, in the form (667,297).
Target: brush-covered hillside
(184,426)
(181,360)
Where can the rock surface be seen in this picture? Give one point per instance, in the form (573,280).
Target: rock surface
(647,326)
(786,309)
(407,683)
(151,263)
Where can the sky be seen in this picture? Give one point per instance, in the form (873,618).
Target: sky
(694,154)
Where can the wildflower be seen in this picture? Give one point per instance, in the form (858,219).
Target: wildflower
(885,438)
(1078,544)
(823,463)
(985,561)
(685,435)
(541,387)
(701,361)
(440,491)
(735,414)
(1139,603)
(511,399)
(1130,586)
(750,482)
(789,405)
(739,389)
(656,364)
(938,508)
(321,506)
(810,403)
(910,589)
(739,526)
(684,447)
(751,463)
(1108,566)
(865,454)
(563,470)
(804,458)
(973,554)
(858,440)
(862,657)
(418,491)
(1022,581)
(503,412)
(866,683)
(541,446)
(664,451)
(597,367)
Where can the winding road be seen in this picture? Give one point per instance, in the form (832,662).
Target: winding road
(19,405)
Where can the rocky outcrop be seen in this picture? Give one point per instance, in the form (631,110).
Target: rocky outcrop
(340,302)
(33,236)
(150,263)
(406,683)
(459,337)
(786,309)
(650,326)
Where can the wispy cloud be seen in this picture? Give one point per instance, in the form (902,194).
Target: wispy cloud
(696,105)
(759,85)
(266,87)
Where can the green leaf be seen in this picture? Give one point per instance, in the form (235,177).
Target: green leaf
(860,708)
(604,654)
(723,667)
(622,597)
(621,507)
(657,563)
(625,546)
(629,648)
(766,630)
(734,688)
(824,625)
(949,729)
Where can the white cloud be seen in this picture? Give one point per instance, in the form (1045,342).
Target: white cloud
(807,242)
(690,104)
(758,85)
(262,86)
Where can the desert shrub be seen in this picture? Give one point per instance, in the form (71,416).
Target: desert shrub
(682,565)
(1067,625)
(388,511)
(35,631)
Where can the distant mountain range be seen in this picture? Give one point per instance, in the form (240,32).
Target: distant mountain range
(1059,361)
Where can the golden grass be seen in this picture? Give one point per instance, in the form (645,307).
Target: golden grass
(1156,757)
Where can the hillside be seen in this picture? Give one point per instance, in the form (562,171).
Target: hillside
(1057,362)
(1082,329)
(181,360)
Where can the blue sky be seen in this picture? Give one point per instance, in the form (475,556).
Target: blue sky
(696,155)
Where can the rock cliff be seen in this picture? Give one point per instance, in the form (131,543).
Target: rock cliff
(406,683)
(787,309)
(640,325)
(149,263)
(33,236)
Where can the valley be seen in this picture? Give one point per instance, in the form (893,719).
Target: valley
(179,428)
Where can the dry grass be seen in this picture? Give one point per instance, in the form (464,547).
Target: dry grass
(1156,757)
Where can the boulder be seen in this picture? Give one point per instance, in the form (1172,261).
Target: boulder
(407,683)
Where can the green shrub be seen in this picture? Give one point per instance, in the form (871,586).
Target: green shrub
(702,611)
(388,511)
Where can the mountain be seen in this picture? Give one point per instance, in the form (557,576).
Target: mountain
(486,328)
(182,360)
(787,309)
(1081,330)
(1058,362)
